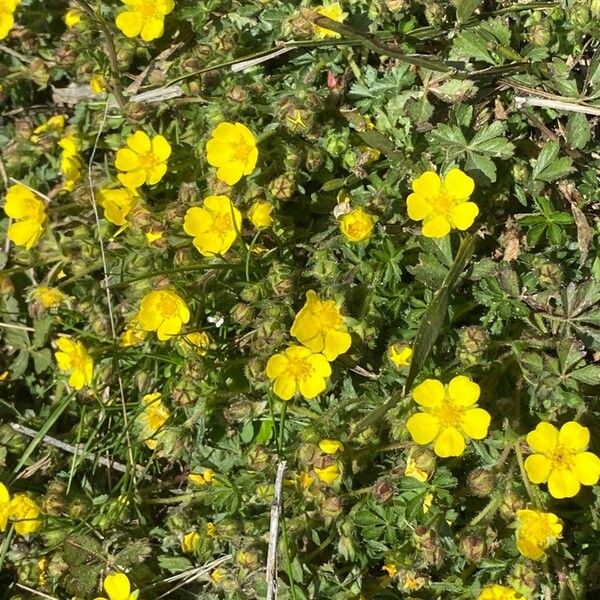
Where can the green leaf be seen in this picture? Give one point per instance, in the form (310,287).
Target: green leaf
(477,162)
(548,166)
(578,131)
(470,44)
(465,8)
(490,140)
(589,374)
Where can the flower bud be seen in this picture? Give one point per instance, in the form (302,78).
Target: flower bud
(481,482)
(511,503)
(6,286)
(395,5)
(53,503)
(473,342)
(331,506)
(473,548)
(243,313)
(383,490)
(540,34)
(283,187)
(427,542)
(259,458)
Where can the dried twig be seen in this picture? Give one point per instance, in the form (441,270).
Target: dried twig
(274,533)
(521,101)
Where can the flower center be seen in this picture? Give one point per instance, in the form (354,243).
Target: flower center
(241,151)
(167,307)
(78,361)
(156,418)
(448,414)
(330,317)
(147,8)
(222,224)
(443,203)
(147,161)
(562,457)
(299,368)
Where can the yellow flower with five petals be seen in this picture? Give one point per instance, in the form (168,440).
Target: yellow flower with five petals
(145,18)
(449,415)
(143,160)
(73,358)
(117,204)
(536,531)
(162,311)
(560,458)
(357,225)
(118,587)
(260,214)
(29,213)
(442,204)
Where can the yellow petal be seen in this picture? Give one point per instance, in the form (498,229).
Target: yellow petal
(77,379)
(429,393)
(423,427)
(476,422)
(437,227)
(25,233)
(251,161)
(130,23)
(450,442)
(285,386)
(587,468)
(529,549)
(161,148)
(210,244)
(197,220)
(231,172)
(139,142)
(4,495)
(7,22)
(133,179)
(543,438)
(563,483)
(574,436)
(127,160)
(458,185)
(156,174)
(428,185)
(463,391)
(320,365)
(463,215)
(153,28)
(276,365)
(331,446)
(417,206)
(219,152)
(311,386)
(117,586)
(336,343)
(538,468)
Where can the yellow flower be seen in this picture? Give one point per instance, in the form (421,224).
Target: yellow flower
(232,149)
(412,470)
(200,341)
(217,575)
(442,205)
(25,512)
(162,311)
(153,236)
(190,541)
(73,17)
(561,460)
(214,226)
(329,474)
(427,502)
(298,369)
(304,480)
(203,478)
(334,12)
(536,531)
(118,587)
(144,160)
(145,18)
(400,354)
(449,415)
(73,358)
(48,297)
(499,592)
(331,446)
(4,506)
(117,204)
(70,160)
(7,20)
(55,123)
(29,213)
(211,530)
(153,418)
(132,336)
(260,214)
(357,225)
(390,569)
(320,326)
(98,84)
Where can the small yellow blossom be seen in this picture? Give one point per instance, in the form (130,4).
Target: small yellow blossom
(98,84)
(71,164)
(260,214)
(232,149)
(449,415)
(190,541)
(4,507)
(298,369)
(118,587)
(357,225)
(334,12)
(153,236)
(72,18)
(214,226)
(48,297)
(117,204)
(200,341)
(331,446)
(212,530)
(390,569)
(442,205)
(499,592)
(561,459)
(320,326)
(536,531)
(304,480)
(24,512)
(427,502)
(73,358)
(329,474)
(203,478)
(153,418)
(29,213)
(7,19)
(143,161)
(145,18)
(217,575)
(162,311)
(55,123)
(400,354)
(43,569)
(132,337)
(412,470)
